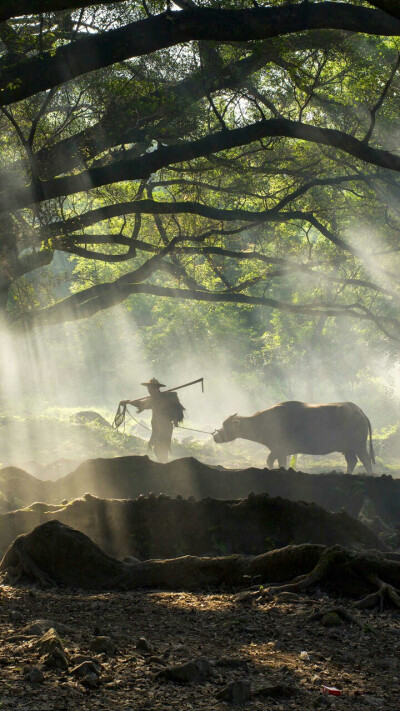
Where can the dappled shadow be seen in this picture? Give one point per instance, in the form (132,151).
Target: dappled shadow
(259,642)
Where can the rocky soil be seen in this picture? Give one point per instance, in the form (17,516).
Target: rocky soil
(208,650)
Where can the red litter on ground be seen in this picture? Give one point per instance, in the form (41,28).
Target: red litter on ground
(332,690)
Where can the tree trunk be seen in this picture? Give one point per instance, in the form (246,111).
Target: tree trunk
(8,261)
(4,289)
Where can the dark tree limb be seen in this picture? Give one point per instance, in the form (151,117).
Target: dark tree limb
(101,296)
(153,207)
(16,8)
(154,33)
(381,99)
(71,246)
(288,266)
(390,6)
(143,167)
(67,244)
(74,150)
(98,256)
(109,132)
(157,207)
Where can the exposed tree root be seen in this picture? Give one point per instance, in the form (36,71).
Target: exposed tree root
(385,593)
(57,554)
(325,566)
(340,612)
(24,566)
(354,572)
(302,582)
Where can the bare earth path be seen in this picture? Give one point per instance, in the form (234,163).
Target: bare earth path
(257,641)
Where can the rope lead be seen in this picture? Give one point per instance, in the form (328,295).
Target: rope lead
(121,415)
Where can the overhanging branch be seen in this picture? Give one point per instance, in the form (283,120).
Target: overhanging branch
(154,207)
(390,6)
(74,150)
(16,8)
(89,301)
(154,33)
(143,167)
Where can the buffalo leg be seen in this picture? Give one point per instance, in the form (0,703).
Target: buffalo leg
(271,460)
(351,459)
(363,455)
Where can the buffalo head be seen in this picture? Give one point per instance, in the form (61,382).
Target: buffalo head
(229,430)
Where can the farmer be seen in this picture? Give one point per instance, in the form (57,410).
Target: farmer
(167,412)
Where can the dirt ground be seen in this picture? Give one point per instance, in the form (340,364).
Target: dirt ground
(258,642)
(264,652)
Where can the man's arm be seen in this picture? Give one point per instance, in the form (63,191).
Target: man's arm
(140,404)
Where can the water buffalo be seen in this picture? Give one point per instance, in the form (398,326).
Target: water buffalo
(297,427)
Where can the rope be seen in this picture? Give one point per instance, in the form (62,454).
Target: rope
(121,414)
(138,421)
(180,427)
(119,417)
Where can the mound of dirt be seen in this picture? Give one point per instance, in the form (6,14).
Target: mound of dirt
(54,470)
(164,527)
(128,477)
(18,488)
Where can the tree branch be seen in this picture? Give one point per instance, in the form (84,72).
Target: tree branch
(144,166)
(390,6)
(154,33)
(35,260)
(154,207)
(381,99)
(89,301)
(114,130)
(16,8)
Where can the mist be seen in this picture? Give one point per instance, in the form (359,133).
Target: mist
(50,373)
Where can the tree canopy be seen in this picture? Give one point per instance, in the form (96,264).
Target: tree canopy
(224,151)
